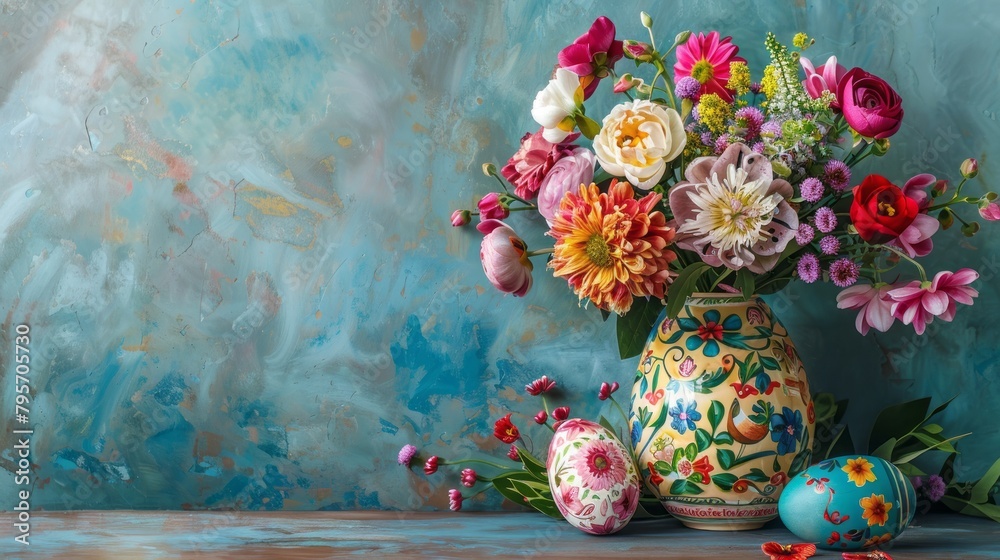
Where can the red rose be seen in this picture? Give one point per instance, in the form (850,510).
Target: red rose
(654,476)
(505,430)
(880,211)
(869,104)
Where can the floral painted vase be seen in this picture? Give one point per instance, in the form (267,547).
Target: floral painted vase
(721,413)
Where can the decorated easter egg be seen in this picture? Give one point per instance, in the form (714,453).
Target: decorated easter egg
(848,503)
(594,483)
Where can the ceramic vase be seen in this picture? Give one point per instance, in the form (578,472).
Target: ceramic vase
(721,415)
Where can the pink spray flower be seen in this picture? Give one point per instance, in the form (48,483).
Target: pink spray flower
(531,163)
(460,217)
(406,454)
(469,478)
(593,54)
(454,499)
(541,417)
(706,58)
(513,454)
(567,174)
(873,304)
(917,303)
(824,78)
(492,207)
(560,413)
(431,466)
(505,258)
(607,389)
(541,385)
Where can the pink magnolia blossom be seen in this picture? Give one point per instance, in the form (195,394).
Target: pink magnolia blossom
(531,163)
(824,78)
(990,212)
(918,303)
(505,258)
(567,174)
(593,54)
(873,304)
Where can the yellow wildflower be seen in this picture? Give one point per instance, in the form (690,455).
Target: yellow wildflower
(713,112)
(769,83)
(739,77)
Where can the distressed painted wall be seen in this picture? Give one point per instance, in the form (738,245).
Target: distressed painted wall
(226,223)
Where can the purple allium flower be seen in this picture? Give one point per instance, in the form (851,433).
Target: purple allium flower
(687,88)
(752,118)
(811,189)
(721,143)
(468,478)
(706,139)
(755,88)
(826,219)
(917,482)
(805,234)
(454,499)
(829,245)
(694,113)
(844,272)
(758,147)
(406,454)
(935,488)
(771,128)
(837,175)
(808,268)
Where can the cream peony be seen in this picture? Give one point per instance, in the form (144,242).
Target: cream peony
(638,139)
(555,105)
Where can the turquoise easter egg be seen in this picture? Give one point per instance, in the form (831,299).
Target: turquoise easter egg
(848,503)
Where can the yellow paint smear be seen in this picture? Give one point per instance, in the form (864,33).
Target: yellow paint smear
(141,347)
(270,204)
(344,142)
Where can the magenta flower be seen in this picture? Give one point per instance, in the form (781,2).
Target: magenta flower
(513,454)
(573,170)
(805,234)
(990,212)
(869,104)
(406,454)
(624,507)
(593,54)
(837,174)
(873,304)
(829,245)
(918,303)
(706,58)
(826,219)
(811,189)
(607,390)
(687,367)
(454,500)
(505,258)
(460,218)
(560,413)
(531,163)
(492,207)
(935,488)
(844,272)
(541,385)
(808,268)
(824,78)
(431,466)
(468,478)
(541,417)
(600,465)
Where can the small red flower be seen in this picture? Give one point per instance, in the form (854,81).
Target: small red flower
(744,391)
(607,390)
(703,467)
(741,486)
(505,430)
(560,413)
(833,539)
(654,477)
(794,551)
(539,386)
(779,478)
(513,454)
(710,330)
(431,466)
(654,398)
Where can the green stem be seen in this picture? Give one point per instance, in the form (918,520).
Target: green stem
(548,251)
(720,279)
(620,410)
(501,181)
(920,268)
(480,461)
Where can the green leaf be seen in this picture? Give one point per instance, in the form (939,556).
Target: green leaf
(933,428)
(683,286)
(909,470)
(884,451)
(898,420)
(521,488)
(726,458)
(533,466)
(725,481)
(715,412)
(691,451)
(588,126)
(682,486)
(934,442)
(603,421)
(703,439)
(634,327)
(757,475)
(914,454)
(724,439)
(980,492)
(745,283)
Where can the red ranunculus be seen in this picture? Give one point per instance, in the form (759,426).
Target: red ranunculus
(869,104)
(505,430)
(593,54)
(881,211)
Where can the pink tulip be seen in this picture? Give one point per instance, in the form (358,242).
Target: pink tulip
(505,258)
(824,78)
(918,304)
(492,207)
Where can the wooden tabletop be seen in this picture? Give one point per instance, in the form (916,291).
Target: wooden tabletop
(139,535)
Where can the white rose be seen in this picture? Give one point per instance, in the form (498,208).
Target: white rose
(638,139)
(555,104)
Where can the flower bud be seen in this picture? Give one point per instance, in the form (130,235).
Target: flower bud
(489,169)
(431,466)
(541,417)
(970,168)
(561,413)
(637,50)
(880,147)
(939,188)
(647,21)
(970,229)
(626,83)
(682,38)
(460,217)
(990,211)
(493,206)
(946,218)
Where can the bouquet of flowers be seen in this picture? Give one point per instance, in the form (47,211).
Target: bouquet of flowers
(705,179)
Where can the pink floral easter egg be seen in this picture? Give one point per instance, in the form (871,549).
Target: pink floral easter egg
(593,480)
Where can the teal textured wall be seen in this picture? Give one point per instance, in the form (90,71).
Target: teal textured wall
(227,225)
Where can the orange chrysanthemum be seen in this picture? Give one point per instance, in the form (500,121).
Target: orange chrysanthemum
(611,247)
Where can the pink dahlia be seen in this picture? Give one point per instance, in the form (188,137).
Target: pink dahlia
(593,54)
(706,58)
(527,168)
(873,304)
(600,465)
(918,303)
